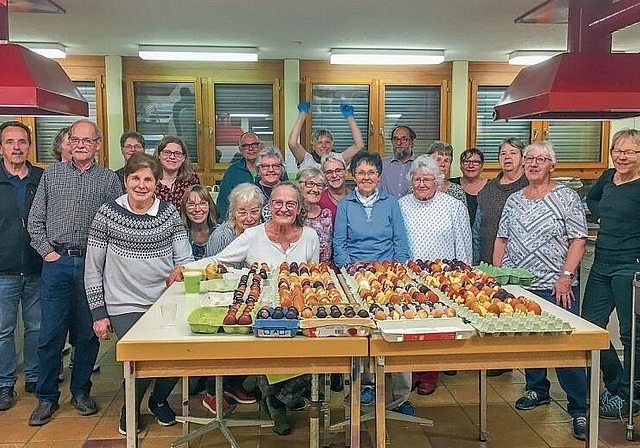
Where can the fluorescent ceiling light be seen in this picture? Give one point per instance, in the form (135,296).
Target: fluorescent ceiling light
(386,57)
(526,57)
(249,115)
(49,50)
(181,53)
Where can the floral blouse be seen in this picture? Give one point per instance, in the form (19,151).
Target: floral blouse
(323,225)
(173,195)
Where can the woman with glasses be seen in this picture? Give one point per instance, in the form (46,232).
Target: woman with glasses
(471,163)
(312,183)
(544,230)
(437,227)
(442,153)
(335,172)
(322,139)
(270,166)
(177,172)
(615,200)
(282,238)
(369,227)
(199,215)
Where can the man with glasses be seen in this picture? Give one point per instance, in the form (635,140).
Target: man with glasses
(395,168)
(244,170)
(20,265)
(65,203)
(131,142)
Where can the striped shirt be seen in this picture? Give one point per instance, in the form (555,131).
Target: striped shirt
(66,202)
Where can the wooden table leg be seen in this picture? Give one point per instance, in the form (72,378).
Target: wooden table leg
(355,401)
(130,403)
(482,406)
(314,414)
(380,402)
(594,394)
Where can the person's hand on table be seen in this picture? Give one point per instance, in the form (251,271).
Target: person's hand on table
(563,292)
(102,328)
(175,276)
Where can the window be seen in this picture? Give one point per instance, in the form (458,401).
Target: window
(576,141)
(325,112)
(46,128)
(415,106)
(489,133)
(166,108)
(241,108)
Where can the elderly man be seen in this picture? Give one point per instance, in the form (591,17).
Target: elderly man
(67,199)
(131,142)
(395,168)
(243,170)
(20,265)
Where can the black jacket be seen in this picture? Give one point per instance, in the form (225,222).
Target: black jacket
(16,254)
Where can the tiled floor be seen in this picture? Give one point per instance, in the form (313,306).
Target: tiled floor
(453,406)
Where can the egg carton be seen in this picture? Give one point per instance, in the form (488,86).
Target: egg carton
(517,323)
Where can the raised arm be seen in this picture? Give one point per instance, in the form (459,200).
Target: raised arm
(358,142)
(294,145)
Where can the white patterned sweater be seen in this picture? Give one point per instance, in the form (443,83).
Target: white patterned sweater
(437,228)
(130,256)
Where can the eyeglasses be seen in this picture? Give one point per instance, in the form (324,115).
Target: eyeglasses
(538,160)
(254,145)
(242,214)
(472,162)
(311,184)
(274,167)
(85,141)
(133,147)
(423,180)
(366,173)
(193,205)
(290,205)
(166,154)
(626,152)
(336,172)
(400,139)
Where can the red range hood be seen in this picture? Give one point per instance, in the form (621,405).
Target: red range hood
(586,83)
(31,84)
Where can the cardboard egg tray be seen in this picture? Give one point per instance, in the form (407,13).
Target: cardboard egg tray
(346,299)
(316,327)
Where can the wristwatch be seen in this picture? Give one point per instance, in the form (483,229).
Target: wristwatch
(568,274)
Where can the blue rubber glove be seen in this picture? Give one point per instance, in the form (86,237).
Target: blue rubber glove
(304,107)
(346,110)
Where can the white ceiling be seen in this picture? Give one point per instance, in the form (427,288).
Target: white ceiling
(299,29)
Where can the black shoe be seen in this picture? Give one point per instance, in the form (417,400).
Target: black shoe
(84,404)
(579,427)
(30,387)
(530,400)
(337,384)
(450,372)
(299,405)
(122,427)
(7,397)
(164,413)
(43,413)
(497,372)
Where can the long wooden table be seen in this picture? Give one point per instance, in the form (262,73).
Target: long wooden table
(578,349)
(150,349)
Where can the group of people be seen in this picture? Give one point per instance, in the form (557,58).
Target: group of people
(91,249)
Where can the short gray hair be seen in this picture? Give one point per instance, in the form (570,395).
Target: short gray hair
(442,148)
(309,173)
(428,164)
(244,193)
(545,146)
(269,151)
(333,157)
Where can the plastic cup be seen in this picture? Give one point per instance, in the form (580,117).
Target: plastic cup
(191,282)
(168,311)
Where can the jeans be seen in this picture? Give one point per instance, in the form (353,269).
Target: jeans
(573,380)
(163,386)
(16,289)
(609,287)
(65,308)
